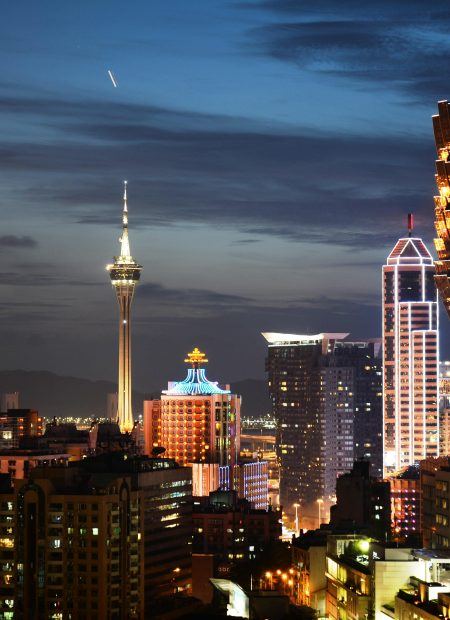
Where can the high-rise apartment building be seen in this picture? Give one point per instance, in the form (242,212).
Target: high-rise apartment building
(124,273)
(195,420)
(101,538)
(410,356)
(326,395)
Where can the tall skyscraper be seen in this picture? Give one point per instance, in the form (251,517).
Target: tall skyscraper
(124,273)
(410,356)
(326,395)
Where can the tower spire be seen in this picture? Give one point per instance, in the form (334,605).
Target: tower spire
(125,251)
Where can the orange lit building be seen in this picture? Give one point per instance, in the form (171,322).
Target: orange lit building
(16,424)
(195,420)
(406,503)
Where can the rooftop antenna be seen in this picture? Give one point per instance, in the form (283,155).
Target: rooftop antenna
(410,224)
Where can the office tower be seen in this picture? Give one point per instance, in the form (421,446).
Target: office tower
(441,126)
(195,420)
(410,356)
(326,395)
(9,400)
(101,538)
(124,273)
(362,502)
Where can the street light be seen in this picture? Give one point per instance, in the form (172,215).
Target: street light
(297,532)
(320,502)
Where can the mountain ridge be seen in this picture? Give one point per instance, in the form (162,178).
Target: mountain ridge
(67,396)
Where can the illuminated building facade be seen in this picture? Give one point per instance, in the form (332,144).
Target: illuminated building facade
(406,504)
(444,408)
(124,273)
(435,513)
(254,447)
(19,424)
(196,421)
(441,126)
(410,356)
(249,479)
(327,397)
(99,539)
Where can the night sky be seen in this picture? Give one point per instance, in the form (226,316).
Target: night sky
(272,149)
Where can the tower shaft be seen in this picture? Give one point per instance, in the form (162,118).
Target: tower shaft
(124,407)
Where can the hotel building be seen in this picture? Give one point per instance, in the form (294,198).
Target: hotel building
(198,423)
(195,420)
(410,356)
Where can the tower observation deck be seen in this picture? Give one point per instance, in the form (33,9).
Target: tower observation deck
(124,273)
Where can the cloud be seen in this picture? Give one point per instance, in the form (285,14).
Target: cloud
(372,42)
(195,299)
(256,178)
(13,241)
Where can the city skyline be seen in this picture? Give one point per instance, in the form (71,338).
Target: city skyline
(229,249)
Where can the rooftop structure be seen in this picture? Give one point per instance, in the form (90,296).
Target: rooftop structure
(196,382)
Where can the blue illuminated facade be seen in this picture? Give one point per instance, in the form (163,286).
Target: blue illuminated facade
(195,384)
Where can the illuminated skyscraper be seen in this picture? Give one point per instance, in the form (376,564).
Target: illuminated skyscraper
(410,356)
(124,273)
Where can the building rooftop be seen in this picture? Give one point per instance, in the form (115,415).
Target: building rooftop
(410,251)
(195,384)
(275,338)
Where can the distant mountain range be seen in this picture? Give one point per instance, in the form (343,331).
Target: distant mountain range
(56,395)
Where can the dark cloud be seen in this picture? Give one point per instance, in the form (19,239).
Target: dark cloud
(13,241)
(182,167)
(199,298)
(392,43)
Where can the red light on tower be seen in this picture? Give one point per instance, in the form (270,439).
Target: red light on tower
(410,223)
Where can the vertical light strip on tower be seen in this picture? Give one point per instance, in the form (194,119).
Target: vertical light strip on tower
(124,273)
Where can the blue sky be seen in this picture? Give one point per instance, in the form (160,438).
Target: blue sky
(272,148)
